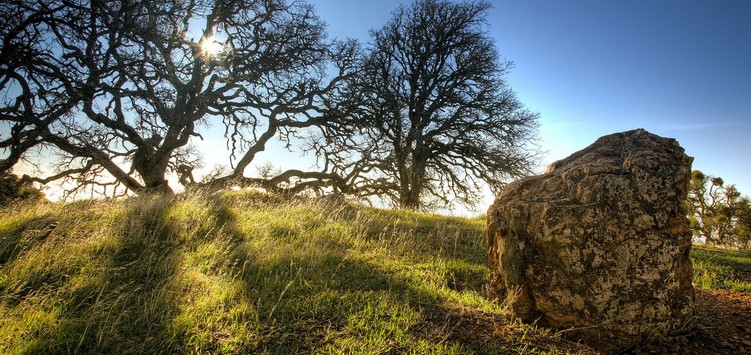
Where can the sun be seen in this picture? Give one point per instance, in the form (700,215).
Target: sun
(210,46)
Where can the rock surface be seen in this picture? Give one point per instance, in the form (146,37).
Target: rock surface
(599,243)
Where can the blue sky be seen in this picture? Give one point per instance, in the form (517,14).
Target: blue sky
(680,69)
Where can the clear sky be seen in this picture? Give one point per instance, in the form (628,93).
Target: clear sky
(677,68)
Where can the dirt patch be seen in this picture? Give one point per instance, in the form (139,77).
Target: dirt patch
(485,333)
(724,324)
(723,327)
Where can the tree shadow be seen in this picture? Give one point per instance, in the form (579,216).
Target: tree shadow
(336,301)
(113,299)
(153,287)
(19,235)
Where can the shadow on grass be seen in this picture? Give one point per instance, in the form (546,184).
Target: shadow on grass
(344,305)
(110,297)
(176,278)
(18,234)
(341,300)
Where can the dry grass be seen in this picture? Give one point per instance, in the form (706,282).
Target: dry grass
(249,273)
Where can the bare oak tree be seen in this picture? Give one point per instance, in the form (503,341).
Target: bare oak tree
(119,89)
(429,114)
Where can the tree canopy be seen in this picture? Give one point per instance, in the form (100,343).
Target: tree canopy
(118,90)
(429,115)
(718,212)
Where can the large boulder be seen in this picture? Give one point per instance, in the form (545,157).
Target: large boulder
(599,243)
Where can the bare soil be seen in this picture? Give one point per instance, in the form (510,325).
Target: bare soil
(723,326)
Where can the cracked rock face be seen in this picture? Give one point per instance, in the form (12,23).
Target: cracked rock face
(600,242)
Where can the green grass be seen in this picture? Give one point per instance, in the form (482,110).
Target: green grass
(722,269)
(242,272)
(249,273)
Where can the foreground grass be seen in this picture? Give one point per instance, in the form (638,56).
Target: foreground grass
(243,273)
(247,273)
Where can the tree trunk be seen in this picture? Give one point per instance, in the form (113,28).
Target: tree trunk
(410,200)
(410,197)
(152,168)
(154,182)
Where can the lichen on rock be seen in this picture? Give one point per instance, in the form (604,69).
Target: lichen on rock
(600,242)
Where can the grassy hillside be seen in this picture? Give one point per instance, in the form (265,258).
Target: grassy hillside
(246,273)
(722,269)
(243,273)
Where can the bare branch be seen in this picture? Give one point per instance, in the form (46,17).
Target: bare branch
(429,113)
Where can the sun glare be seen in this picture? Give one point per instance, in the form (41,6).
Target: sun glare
(210,46)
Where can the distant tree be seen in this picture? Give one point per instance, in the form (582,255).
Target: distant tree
(429,114)
(743,225)
(118,90)
(718,212)
(12,188)
(700,208)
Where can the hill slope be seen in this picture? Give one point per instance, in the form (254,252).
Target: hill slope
(246,273)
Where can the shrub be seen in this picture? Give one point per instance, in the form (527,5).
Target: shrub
(12,188)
